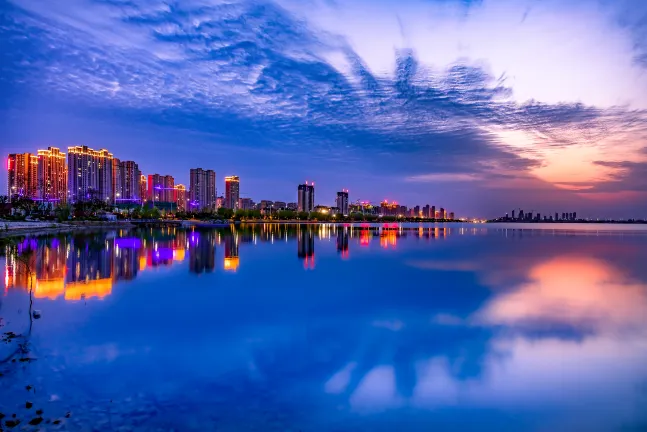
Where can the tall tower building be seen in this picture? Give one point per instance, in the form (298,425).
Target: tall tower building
(306,197)
(232,192)
(143,188)
(127,179)
(89,174)
(22,171)
(161,188)
(52,176)
(342,202)
(202,184)
(180,192)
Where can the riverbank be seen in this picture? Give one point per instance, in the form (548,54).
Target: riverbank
(13,228)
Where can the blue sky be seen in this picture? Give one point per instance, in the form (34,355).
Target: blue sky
(476,106)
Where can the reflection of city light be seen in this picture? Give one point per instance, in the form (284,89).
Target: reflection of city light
(179,254)
(50,289)
(309,262)
(99,288)
(364,238)
(232,263)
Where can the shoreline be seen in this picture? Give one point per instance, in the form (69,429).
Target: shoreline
(43,228)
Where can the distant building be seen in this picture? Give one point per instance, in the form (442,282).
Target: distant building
(127,178)
(451,216)
(22,174)
(89,174)
(306,197)
(161,188)
(232,192)
(220,202)
(513,214)
(245,204)
(416,211)
(292,206)
(202,189)
(181,197)
(342,202)
(432,213)
(143,188)
(279,205)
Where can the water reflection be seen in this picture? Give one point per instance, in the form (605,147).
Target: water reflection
(437,326)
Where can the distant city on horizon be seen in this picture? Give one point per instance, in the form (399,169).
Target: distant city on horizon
(53,177)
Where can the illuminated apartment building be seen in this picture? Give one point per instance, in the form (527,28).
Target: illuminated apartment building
(202,184)
(52,176)
(232,192)
(127,178)
(22,174)
(89,174)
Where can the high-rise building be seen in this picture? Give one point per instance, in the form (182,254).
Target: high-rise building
(202,184)
(342,202)
(426,212)
(143,188)
(416,211)
(161,188)
(22,175)
(306,197)
(451,216)
(220,202)
(89,174)
(180,195)
(127,182)
(52,176)
(232,192)
(432,213)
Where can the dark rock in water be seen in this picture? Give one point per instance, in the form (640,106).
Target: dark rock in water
(36,314)
(12,423)
(28,404)
(36,421)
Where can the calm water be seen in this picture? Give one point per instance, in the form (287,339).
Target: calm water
(324,328)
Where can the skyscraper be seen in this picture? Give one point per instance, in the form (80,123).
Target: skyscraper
(52,176)
(306,197)
(180,192)
(161,188)
(245,204)
(22,177)
(89,173)
(432,213)
(143,181)
(127,181)
(232,192)
(342,202)
(202,184)
(426,212)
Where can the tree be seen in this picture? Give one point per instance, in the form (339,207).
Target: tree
(4,199)
(23,203)
(225,213)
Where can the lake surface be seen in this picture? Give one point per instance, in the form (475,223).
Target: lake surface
(328,328)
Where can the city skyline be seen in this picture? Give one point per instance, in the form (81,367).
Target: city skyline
(480,105)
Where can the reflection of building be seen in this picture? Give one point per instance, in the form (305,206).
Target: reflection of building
(202,189)
(126,263)
(342,242)
(89,268)
(231,252)
(89,172)
(232,192)
(342,202)
(306,197)
(388,238)
(365,237)
(306,246)
(202,252)
(50,269)
(22,175)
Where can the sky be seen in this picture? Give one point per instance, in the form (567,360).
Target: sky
(480,107)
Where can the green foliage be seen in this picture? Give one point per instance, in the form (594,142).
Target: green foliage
(225,213)
(62,213)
